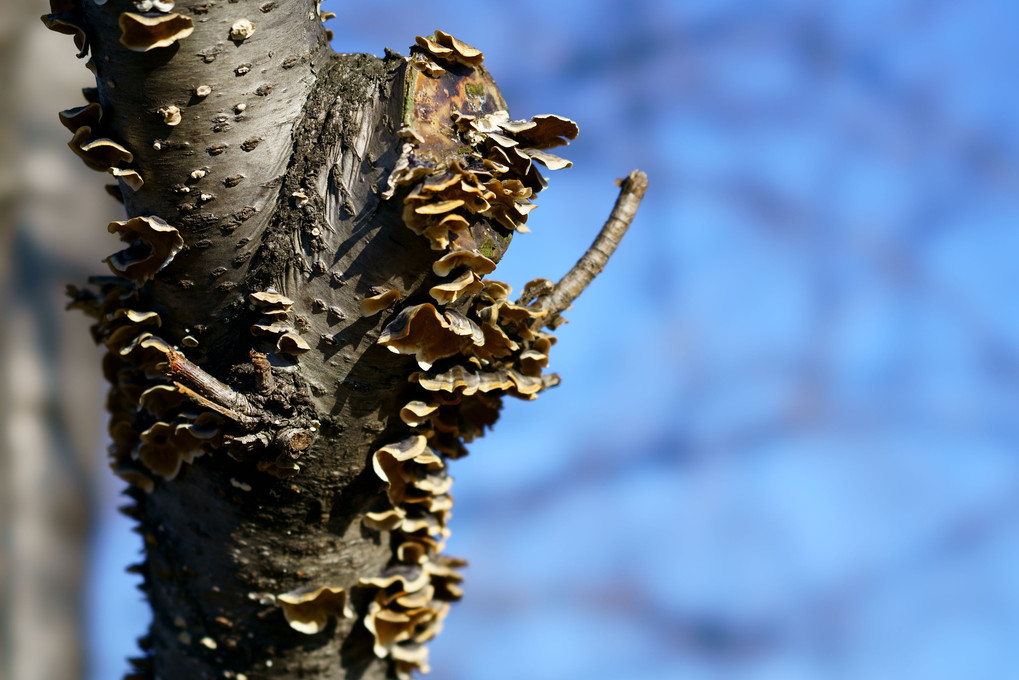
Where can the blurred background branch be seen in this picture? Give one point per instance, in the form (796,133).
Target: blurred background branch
(51,396)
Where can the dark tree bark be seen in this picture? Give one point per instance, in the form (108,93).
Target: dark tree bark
(300,333)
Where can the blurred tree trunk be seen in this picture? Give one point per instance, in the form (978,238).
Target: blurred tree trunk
(50,417)
(299,333)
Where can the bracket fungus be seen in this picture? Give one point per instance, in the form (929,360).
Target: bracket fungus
(129,177)
(422,331)
(81,116)
(98,153)
(447,48)
(160,399)
(141,33)
(449,291)
(62,19)
(292,343)
(409,465)
(476,262)
(370,306)
(165,447)
(309,609)
(123,324)
(154,244)
(270,303)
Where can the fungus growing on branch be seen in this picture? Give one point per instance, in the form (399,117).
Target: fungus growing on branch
(370,306)
(141,33)
(81,116)
(98,153)
(309,609)
(154,244)
(422,331)
(166,446)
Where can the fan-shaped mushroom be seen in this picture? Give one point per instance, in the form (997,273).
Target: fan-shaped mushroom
(81,116)
(420,330)
(154,245)
(141,33)
(309,609)
(98,154)
(371,306)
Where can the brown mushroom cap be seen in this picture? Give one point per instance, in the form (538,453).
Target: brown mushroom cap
(269,298)
(129,177)
(461,380)
(464,327)
(412,552)
(399,579)
(60,22)
(276,328)
(531,362)
(140,33)
(371,306)
(164,447)
(496,290)
(161,243)
(549,160)
(389,627)
(146,351)
(123,324)
(476,262)
(448,292)
(445,577)
(416,413)
(497,344)
(98,154)
(241,30)
(550,131)
(270,302)
(161,399)
(170,114)
(411,657)
(422,331)
(444,47)
(79,116)
(308,610)
(385,520)
(466,382)
(409,463)
(292,343)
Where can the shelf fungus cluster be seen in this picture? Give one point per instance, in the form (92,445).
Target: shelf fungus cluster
(89,141)
(165,410)
(154,429)
(468,361)
(275,324)
(466,184)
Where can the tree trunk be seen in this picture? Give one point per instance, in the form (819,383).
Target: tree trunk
(299,332)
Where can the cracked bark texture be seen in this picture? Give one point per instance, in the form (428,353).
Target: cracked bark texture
(300,333)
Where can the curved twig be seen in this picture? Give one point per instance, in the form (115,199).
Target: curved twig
(631,191)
